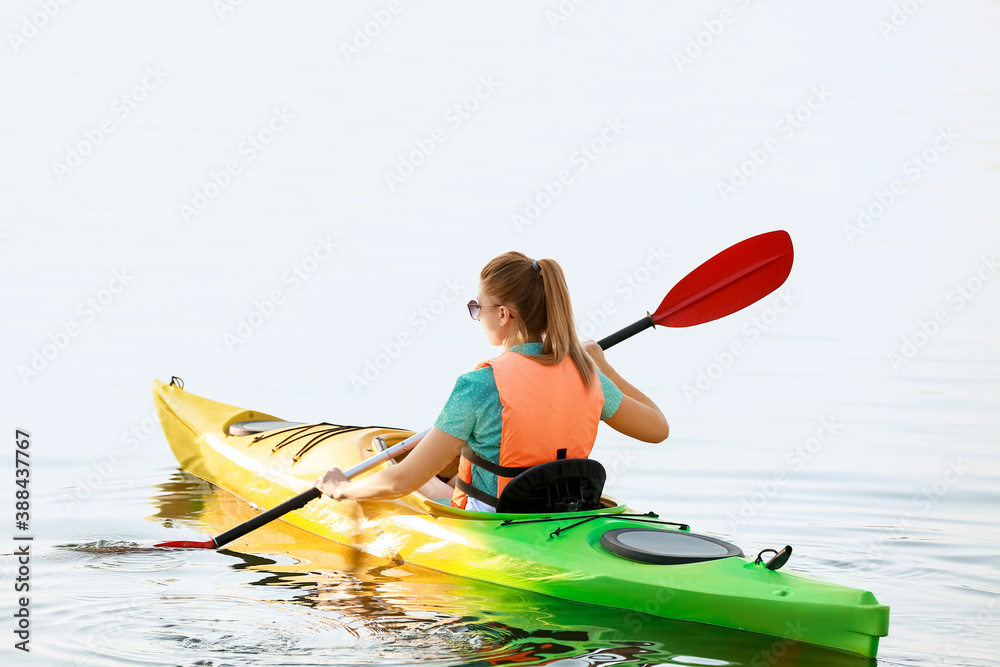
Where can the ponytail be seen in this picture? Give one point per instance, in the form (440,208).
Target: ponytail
(540,299)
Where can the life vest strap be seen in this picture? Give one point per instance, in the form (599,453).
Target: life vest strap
(489,466)
(478,494)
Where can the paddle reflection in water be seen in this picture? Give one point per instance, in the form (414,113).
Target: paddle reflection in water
(400,613)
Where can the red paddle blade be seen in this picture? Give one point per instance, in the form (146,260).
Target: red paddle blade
(732,280)
(181,544)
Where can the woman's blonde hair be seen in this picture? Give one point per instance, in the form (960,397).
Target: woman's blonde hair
(541,304)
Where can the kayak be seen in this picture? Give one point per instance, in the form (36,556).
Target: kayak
(479,622)
(611,557)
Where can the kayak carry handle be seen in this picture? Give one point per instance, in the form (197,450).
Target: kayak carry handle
(777,560)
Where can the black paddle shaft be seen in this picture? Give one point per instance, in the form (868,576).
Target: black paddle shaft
(627,332)
(270,515)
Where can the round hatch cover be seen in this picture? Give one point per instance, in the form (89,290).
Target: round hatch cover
(666,547)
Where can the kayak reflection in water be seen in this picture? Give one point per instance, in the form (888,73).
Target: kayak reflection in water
(539,401)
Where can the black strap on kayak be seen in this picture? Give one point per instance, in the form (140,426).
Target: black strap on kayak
(648,517)
(628,517)
(321,437)
(318,439)
(287,432)
(301,430)
(330,430)
(478,494)
(312,433)
(545,519)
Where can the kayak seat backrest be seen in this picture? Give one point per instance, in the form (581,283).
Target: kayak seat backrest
(566,485)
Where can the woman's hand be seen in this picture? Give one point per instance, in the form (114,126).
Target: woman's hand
(596,353)
(434,452)
(331,483)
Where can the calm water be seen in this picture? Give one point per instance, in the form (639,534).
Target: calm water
(235,227)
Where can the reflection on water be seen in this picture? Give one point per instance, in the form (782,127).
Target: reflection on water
(287,597)
(181,499)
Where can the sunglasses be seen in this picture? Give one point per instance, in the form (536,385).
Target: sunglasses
(475,309)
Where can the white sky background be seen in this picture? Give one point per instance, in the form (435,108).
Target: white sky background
(202,80)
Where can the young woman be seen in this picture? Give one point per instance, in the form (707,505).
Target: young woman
(538,401)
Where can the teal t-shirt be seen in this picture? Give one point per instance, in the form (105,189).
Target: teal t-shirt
(473,413)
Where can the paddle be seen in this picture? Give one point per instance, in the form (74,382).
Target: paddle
(732,280)
(298,501)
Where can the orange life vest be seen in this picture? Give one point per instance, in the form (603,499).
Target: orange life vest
(548,414)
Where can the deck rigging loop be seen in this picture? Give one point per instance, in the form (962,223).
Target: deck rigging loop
(312,434)
(176,382)
(648,517)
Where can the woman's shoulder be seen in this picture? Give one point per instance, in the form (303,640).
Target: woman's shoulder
(482,371)
(475,385)
(479,377)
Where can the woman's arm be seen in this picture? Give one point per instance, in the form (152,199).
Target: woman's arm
(637,416)
(430,456)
